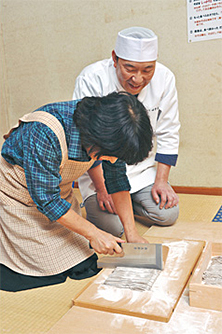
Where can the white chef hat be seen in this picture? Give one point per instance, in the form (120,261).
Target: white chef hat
(137,44)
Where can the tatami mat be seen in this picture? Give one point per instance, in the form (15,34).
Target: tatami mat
(195,220)
(36,311)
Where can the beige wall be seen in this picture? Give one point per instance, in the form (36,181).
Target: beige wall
(45,44)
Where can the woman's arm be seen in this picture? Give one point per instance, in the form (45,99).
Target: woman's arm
(123,204)
(101,242)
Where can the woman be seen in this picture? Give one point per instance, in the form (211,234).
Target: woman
(43,237)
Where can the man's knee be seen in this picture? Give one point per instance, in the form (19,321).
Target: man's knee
(157,216)
(104,220)
(91,204)
(145,206)
(167,217)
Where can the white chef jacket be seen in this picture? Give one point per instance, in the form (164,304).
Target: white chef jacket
(160,100)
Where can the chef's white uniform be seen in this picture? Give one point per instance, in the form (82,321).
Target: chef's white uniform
(160,99)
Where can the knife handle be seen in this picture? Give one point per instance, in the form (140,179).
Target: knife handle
(119,243)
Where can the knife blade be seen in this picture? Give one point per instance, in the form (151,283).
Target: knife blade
(138,255)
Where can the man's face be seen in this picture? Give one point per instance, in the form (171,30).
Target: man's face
(133,76)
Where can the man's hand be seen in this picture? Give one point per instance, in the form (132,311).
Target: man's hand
(105,201)
(163,193)
(105,243)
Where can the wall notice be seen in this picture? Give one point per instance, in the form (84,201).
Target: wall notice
(204,19)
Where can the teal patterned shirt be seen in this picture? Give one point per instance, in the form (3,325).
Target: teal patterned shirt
(35,147)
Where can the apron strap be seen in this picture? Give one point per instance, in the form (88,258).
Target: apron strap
(49,120)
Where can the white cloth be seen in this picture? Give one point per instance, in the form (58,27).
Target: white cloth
(160,99)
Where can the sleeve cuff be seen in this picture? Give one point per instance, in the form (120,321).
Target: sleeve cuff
(168,159)
(115,177)
(96,163)
(55,209)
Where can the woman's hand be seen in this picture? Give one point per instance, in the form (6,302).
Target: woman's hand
(105,243)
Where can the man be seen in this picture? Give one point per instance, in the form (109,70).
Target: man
(134,68)
(43,237)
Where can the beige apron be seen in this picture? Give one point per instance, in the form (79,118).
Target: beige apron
(30,243)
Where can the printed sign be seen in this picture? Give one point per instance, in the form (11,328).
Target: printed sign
(204,20)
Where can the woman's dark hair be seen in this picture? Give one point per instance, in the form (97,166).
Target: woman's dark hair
(114,125)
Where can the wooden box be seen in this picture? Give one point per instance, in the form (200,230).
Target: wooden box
(202,295)
(156,304)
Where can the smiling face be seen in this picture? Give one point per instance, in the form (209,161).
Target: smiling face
(133,76)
